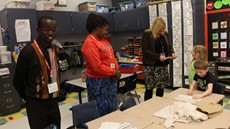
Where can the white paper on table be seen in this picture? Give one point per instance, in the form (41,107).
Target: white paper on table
(22,30)
(109,125)
(186,98)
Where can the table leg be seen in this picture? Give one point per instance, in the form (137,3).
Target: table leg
(79,96)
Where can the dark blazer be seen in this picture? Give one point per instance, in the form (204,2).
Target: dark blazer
(148,48)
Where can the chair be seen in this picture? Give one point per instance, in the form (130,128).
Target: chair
(130,102)
(219,89)
(130,85)
(84,113)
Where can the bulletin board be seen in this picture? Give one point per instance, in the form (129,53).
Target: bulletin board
(217,29)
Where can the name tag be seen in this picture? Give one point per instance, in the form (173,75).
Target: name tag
(52,87)
(112,65)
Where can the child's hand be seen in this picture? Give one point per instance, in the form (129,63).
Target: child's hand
(197,96)
(190,92)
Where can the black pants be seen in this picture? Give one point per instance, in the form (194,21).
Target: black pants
(42,113)
(149,93)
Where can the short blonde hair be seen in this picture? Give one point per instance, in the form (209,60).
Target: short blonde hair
(201,65)
(201,52)
(157,25)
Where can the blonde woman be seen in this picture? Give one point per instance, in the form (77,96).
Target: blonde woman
(157,51)
(199,52)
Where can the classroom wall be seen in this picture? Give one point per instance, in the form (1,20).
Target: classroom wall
(72,5)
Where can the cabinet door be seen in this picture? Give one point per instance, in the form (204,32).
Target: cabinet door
(79,22)
(63,20)
(7,20)
(109,17)
(120,21)
(137,19)
(142,18)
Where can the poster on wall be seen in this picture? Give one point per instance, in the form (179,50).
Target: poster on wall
(218,28)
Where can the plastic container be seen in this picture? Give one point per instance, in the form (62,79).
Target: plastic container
(141,3)
(127,5)
(3,48)
(113,9)
(129,69)
(5,57)
(102,8)
(87,6)
(18,4)
(45,5)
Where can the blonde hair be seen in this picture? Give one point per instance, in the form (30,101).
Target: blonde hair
(157,25)
(200,52)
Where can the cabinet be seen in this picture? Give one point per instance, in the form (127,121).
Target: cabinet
(63,20)
(79,22)
(222,71)
(109,17)
(9,97)
(8,17)
(136,19)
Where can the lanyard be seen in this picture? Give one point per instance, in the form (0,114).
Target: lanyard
(101,45)
(47,64)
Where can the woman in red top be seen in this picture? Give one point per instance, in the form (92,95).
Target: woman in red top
(101,65)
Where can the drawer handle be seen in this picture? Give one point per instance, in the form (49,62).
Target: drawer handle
(6,92)
(6,76)
(7,85)
(9,106)
(9,100)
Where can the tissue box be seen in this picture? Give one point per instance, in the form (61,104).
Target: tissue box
(87,6)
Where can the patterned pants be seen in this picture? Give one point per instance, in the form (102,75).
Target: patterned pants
(104,91)
(156,76)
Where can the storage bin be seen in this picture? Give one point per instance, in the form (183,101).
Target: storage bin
(141,3)
(129,69)
(102,8)
(113,9)
(45,5)
(18,4)
(87,6)
(5,57)
(127,5)
(3,48)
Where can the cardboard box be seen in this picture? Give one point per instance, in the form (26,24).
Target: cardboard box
(87,6)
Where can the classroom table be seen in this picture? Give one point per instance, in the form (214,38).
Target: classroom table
(146,109)
(119,117)
(141,117)
(212,98)
(220,121)
(79,84)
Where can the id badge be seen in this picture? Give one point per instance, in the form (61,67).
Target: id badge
(112,65)
(52,87)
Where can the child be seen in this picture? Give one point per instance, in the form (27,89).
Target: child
(199,53)
(203,80)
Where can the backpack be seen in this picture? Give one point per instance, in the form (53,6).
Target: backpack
(76,60)
(64,61)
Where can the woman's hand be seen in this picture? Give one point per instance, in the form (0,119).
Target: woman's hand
(118,75)
(174,56)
